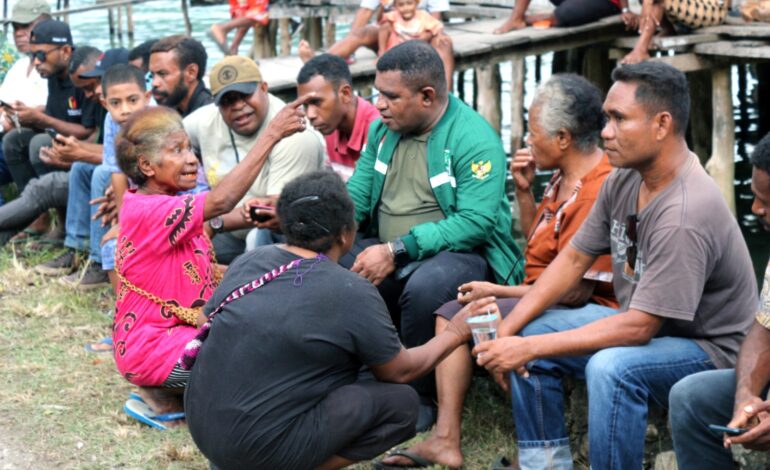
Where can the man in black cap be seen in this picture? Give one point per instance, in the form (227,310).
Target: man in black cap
(67,110)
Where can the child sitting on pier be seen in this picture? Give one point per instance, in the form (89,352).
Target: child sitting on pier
(405,23)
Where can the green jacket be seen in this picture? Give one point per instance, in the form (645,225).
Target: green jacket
(467,170)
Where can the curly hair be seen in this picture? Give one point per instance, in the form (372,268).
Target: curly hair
(314,210)
(144,135)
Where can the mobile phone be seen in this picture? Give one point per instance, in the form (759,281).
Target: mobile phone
(725,430)
(261,217)
(4,104)
(52,132)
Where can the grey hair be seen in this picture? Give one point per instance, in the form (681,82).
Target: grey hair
(572,103)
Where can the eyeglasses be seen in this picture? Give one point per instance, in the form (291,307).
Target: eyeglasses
(41,56)
(310,198)
(631,250)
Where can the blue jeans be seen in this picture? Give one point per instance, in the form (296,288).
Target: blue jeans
(697,401)
(621,381)
(87,181)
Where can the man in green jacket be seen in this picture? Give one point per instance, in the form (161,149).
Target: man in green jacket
(429,190)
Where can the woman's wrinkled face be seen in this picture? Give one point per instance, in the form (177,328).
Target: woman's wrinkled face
(175,169)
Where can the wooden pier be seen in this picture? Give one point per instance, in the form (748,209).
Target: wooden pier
(592,50)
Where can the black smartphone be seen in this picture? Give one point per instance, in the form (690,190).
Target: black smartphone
(261,217)
(3,104)
(725,430)
(52,132)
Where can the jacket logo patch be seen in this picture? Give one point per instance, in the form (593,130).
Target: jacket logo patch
(481,169)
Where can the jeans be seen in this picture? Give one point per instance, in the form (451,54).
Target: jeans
(621,381)
(697,401)
(21,149)
(413,300)
(87,181)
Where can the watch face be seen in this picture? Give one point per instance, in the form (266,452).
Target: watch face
(216,223)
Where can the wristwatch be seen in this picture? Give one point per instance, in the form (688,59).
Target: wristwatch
(217,224)
(624,10)
(400,255)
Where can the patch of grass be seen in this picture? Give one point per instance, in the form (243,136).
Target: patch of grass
(64,405)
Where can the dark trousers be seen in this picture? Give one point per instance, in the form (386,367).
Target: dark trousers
(579,12)
(21,149)
(41,194)
(413,300)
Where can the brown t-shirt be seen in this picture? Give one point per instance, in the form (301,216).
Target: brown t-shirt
(692,264)
(556,223)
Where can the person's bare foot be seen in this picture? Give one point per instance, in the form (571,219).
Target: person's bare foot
(304,51)
(510,25)
(635,57)
(162,400)
(218,35)
(442,451)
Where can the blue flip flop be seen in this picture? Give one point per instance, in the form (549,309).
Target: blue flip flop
(141,411)
(106,341)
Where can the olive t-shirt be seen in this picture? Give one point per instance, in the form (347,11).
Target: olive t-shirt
(692,265)
(407,196)
(275,353)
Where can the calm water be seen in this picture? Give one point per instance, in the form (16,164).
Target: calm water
(164,17)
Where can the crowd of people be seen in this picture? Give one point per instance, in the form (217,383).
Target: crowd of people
(288,276)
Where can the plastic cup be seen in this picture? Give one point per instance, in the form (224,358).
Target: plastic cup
(483,327)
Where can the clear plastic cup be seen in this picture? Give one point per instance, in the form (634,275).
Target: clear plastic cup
(483,327)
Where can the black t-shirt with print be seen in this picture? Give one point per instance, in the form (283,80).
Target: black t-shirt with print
(68,103)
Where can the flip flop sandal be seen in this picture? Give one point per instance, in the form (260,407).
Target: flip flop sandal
(163,417)
(96,347)
(419,461)
(141,411)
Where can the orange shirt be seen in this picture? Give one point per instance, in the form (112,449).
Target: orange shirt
(557,222)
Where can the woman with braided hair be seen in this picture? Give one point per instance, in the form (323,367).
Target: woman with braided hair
(164,260)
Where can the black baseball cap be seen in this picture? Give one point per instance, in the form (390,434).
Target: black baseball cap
(51,32)
(119,55)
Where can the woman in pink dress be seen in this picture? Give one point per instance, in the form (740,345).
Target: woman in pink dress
(164,259)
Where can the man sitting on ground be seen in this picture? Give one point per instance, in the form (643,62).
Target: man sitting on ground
(681,272)
(67,110)
(342,117)
(429,191)
(565,121)
(178,64)
(221,134)
(736,397)
(363,34)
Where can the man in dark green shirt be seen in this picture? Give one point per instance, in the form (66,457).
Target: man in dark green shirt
(429,191)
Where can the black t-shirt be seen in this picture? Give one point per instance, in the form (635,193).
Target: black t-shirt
(68,103)
(275,353)
(201,97)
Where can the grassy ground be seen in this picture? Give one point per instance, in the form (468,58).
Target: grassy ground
(63,405)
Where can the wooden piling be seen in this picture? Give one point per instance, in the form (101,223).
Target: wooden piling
(130,24)
(313,32)
(120,24)
(330,33)
(264,40)
(186,16)
(762,71)
(721,165)
(518,74)
(284,28)
(700,113)
(111,21)
(489,86)
(597,68)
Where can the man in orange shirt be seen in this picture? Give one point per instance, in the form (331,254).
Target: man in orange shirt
(566,120)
